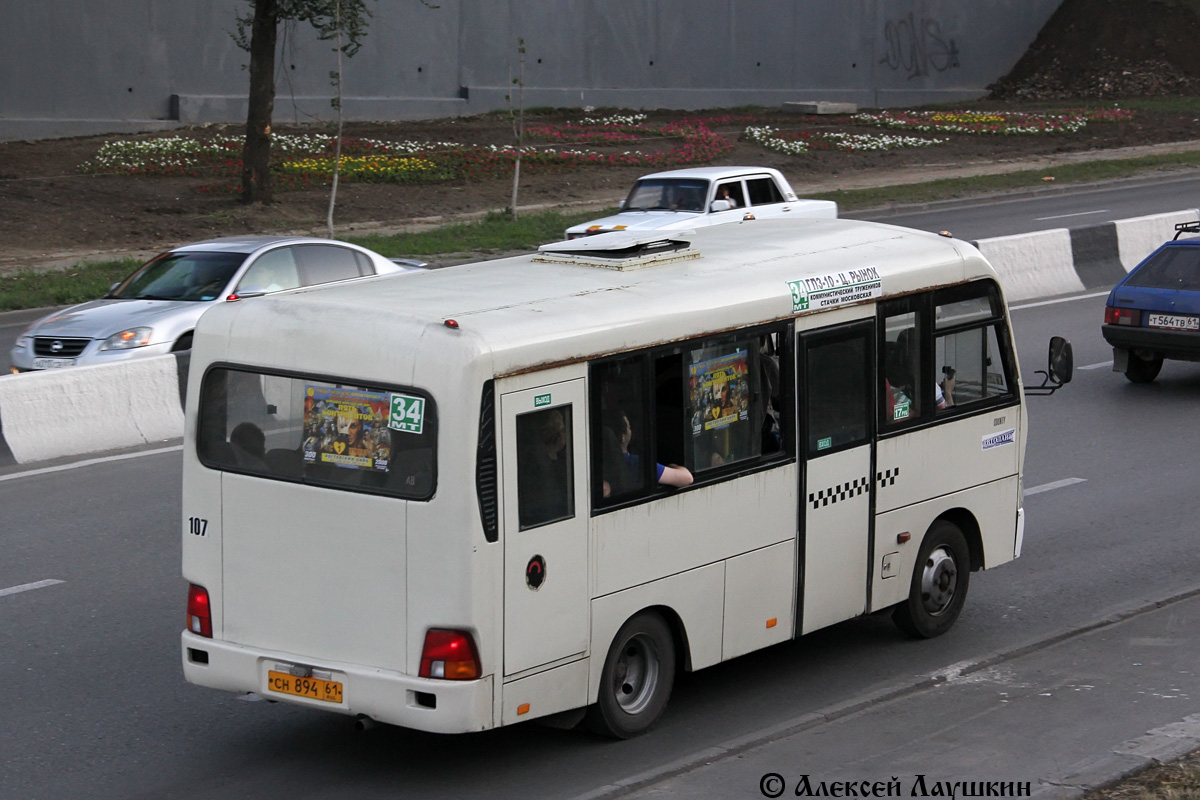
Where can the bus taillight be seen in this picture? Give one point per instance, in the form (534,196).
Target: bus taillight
(199,615)
(450,655)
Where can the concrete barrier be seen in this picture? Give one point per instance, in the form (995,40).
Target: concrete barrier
(55,413)
(1139,237)
(1061,261)
(58,413)
(1033,264)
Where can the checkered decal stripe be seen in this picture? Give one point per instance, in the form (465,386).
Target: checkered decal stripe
(844,491)
(887,478)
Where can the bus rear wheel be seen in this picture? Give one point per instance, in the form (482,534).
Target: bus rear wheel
(636,683)
(939,583)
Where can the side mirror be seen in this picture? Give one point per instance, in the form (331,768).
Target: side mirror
(621,205)
(244,293)
(1061,360)
(719,205)
(1059,368)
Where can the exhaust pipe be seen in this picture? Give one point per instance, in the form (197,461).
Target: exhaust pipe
(364,723)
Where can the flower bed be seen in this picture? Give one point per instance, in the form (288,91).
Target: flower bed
(1003,123)
(305,159)
(801,142)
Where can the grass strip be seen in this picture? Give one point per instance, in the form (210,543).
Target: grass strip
(495,233)
(77,284)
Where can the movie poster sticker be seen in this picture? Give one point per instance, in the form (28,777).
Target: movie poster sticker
(720,391)
(835,289)
(346,427)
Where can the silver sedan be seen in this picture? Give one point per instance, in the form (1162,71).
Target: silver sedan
(155,309)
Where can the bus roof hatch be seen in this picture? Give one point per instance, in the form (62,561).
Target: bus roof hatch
(619,250)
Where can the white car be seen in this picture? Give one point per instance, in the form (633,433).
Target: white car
(155,309)
(683,199)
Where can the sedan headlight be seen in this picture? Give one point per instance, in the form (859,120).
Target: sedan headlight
(23,339)
(128,339)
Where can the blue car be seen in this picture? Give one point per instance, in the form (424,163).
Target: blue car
(1154,312)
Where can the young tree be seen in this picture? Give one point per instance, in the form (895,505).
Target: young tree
(518,121)
(344,20)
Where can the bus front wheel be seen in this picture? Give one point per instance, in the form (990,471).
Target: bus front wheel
(939,583)
(638,675)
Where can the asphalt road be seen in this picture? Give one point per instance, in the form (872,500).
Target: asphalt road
(1052,208)
(94,704)
(91,602)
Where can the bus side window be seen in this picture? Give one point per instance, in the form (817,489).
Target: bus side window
(724,389)
(621,434)
(545,454)
(902,393)
(709,407)
(969,359)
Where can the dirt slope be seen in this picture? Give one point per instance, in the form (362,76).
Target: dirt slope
(1109,49)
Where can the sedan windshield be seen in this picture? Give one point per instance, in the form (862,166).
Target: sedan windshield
(180,276)
(670,194)
(1170,268)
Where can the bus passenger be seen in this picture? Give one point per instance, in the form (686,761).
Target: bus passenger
(623,472)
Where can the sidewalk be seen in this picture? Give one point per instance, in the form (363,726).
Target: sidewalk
(1055,718)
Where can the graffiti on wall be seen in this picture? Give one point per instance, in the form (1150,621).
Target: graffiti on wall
(916,47)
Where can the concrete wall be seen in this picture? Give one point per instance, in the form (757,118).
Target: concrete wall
(70,67)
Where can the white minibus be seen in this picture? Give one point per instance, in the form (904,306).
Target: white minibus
(542,486)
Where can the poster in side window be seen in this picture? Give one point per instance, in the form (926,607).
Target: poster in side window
(346,428)
(720,391)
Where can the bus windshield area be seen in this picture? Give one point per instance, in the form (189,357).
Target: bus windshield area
(319,431)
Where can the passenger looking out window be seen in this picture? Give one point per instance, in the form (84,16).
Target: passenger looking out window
(625,468)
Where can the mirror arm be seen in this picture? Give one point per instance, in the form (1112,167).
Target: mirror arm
(1046,388)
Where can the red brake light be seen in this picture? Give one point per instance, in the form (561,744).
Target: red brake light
(199,614)
(1121,316)
(450,655)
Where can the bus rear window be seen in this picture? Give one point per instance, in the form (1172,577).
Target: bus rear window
(319,431)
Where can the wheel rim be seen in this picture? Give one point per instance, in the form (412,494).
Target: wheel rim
(635,678)
(939,581)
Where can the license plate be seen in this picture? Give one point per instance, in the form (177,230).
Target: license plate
(1173,322)
(312,688)
(53,363)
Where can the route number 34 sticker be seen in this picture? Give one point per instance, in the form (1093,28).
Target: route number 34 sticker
(407,414)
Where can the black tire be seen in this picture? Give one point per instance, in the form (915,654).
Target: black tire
(183,343)
(1142,370)
(939,583)
(636,683)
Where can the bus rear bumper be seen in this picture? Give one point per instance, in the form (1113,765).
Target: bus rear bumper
(437,706)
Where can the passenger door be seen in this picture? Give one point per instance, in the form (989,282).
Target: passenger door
(545,517)
(836,373)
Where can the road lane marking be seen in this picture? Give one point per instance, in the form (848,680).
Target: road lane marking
(27,587)
(1064,216)
(1101,365)
(89,462)
(1057,301)
(1049,487)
